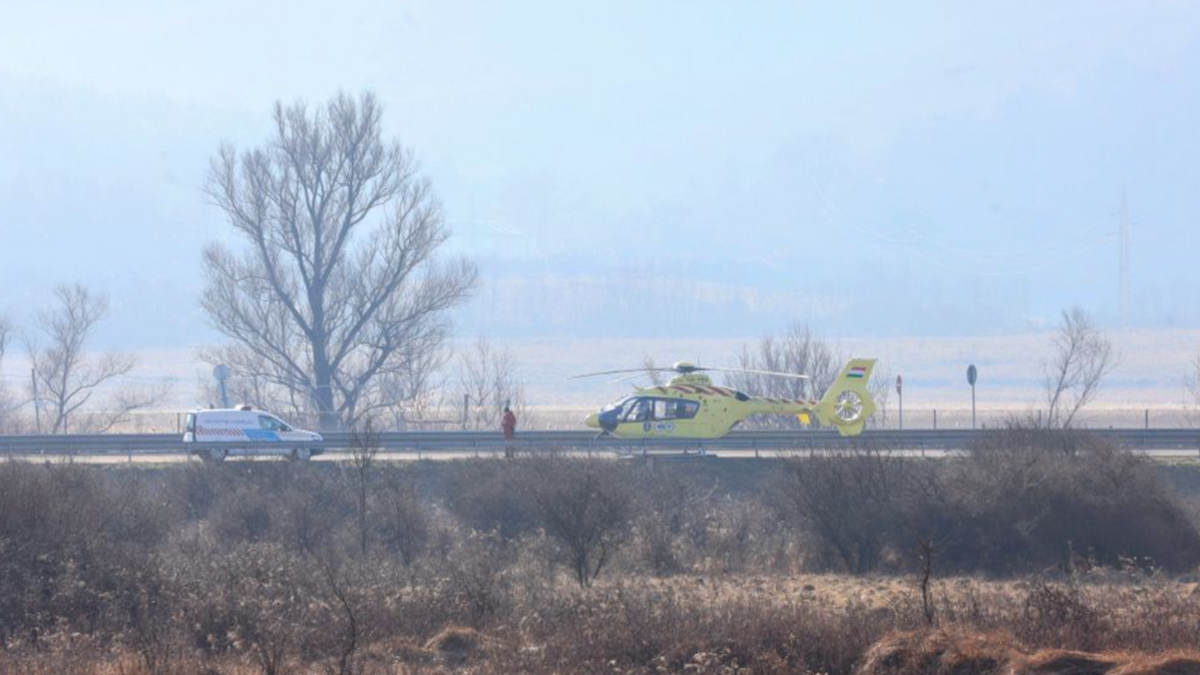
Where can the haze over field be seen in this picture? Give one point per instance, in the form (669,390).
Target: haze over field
(627,174)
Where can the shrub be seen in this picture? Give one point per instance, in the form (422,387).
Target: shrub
(1037,498)
(584,505)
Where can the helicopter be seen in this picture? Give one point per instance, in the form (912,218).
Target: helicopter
(691,406)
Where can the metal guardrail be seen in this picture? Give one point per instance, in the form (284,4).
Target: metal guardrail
(455,441)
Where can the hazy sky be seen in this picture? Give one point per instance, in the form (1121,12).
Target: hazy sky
(872,168)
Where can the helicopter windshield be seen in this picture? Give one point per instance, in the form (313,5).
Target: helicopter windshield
(616,405)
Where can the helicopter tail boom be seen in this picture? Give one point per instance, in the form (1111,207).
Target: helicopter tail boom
(847,404)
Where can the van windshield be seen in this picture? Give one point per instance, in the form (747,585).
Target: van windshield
(190,423)
(272,424)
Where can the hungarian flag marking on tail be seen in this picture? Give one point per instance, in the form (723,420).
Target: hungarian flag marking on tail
(856,371)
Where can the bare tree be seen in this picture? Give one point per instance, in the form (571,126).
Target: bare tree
(880,387)
(413,396)
(850,502)
(401,523)
(364,447)
(66,378)
(1082,358)
(8,406)
(652,373)
(340,272)
(488,378)
(926,550)
(5,335)
(1191,392)
(584,506)
(799,351)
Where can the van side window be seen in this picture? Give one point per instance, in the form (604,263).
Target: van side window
(271,424)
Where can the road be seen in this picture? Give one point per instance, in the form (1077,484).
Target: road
(167,448)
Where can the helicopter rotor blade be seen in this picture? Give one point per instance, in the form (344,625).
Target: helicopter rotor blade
(626,378)
(752,371)
(619,372)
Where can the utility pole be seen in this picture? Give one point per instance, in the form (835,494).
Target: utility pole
(221,374)
(37,405)
(1123,273)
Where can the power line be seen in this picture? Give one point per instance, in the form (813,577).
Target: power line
(982,263)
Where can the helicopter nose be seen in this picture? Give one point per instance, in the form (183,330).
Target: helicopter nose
(593,421)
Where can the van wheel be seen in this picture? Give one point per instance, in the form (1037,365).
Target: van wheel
(216,455)
(300,454)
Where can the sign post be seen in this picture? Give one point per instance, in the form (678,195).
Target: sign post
(972,375)
(900,393)
(221,373)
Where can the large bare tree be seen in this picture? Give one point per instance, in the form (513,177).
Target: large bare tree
(339,270)
(66,377)
(1081,359)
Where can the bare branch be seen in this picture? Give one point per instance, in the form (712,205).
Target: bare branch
(66,377)
(118,409)
(489,379)
(1082,358)
(8,407)
(1191,392)
(652,373)
(5,336)
(798,351)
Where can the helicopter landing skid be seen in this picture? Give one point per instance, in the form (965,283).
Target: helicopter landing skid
(628,452)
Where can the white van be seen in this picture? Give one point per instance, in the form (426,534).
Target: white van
(243,431)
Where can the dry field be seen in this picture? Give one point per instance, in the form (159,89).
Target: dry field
(1118,623)
(1043,552)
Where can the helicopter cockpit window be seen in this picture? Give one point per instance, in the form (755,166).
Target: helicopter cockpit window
(675,409)
(684,410)
(637,410)
(661,408)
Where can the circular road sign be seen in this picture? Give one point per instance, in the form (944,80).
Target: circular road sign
(972,374)
(221,372)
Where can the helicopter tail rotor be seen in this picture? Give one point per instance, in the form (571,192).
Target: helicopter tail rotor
(847,404)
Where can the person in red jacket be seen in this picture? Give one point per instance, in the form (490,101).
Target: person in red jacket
(509,424)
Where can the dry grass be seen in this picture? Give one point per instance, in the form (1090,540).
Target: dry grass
(760,624)
(958,652)
(262,569)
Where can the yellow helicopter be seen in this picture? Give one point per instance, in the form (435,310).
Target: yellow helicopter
(691,406)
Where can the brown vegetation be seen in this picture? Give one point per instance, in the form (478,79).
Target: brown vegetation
(558,565)
(954,652)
